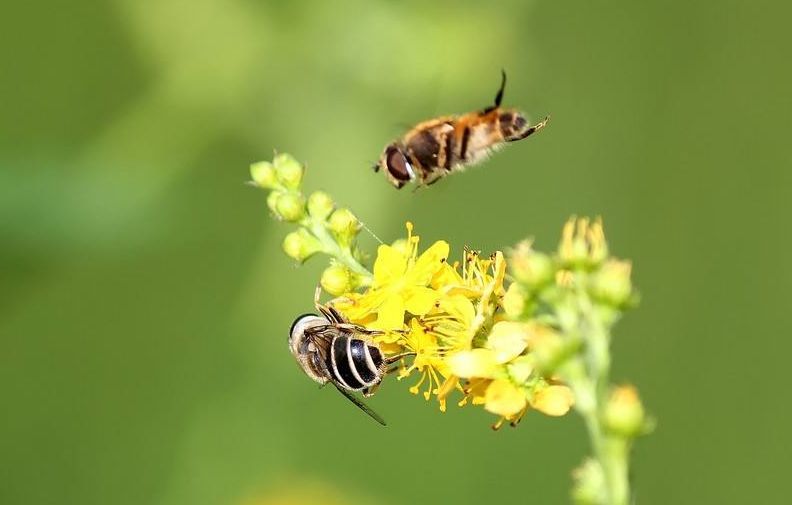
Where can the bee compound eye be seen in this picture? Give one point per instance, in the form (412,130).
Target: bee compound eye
(397,165)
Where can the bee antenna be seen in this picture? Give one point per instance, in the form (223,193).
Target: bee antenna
(499,96)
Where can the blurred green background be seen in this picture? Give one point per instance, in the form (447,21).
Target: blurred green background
(145,301)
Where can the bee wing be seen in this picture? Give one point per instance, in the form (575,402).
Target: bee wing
(319,362)
(359,403)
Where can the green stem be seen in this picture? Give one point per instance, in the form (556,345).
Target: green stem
(332,248)
(611,450)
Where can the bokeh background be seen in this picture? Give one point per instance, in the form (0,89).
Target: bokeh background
(145,302)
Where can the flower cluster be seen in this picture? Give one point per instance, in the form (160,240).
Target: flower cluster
(322,228)
(513,332)
(449,317)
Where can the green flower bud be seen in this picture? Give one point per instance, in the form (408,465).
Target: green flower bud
(589,488)
(289,170)
(320,205)
(337,280)
(290,207)
(344,225)
(529,267)
(272,201)
(263,174)
(301,245)
(624,413)
(550,349)
(611,283)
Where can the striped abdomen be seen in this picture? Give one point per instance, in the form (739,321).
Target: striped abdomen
(443,144)
(354,363)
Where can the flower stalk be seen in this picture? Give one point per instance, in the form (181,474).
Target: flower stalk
(509,332)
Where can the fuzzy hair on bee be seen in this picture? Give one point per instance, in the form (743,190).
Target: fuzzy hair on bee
(435,148)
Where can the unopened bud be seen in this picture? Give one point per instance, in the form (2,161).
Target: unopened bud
(529,267)
(549,348)
(337,280)
(263,174)
(344,225)
(589,488)
(320,205)
(289,170)
(300,245)
(624,413)
(290,207)
(272,201)
(611,284)
(582,243)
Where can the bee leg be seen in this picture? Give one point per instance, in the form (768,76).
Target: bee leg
(393,359)
(327,311)
(533,129)
(369,391)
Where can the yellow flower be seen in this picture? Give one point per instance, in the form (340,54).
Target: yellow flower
(553,400)
(502,377)
(582,243)
(505,399)
(400,285)
(428,361)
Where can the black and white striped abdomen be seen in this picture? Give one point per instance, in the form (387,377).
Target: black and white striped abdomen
(354,364)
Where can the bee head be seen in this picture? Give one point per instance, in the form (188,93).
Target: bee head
(396,166)
(299,326)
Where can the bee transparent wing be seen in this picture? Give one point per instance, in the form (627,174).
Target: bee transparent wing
(362,406)
(319,362)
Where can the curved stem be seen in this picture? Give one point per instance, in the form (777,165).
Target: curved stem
(332,248)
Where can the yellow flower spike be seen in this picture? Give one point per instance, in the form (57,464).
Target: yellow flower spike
(504,398)
(553,400)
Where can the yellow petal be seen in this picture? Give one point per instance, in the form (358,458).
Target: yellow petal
(504,398)
(553,400)
(359,307)
(428,264)
(445,276)
(390,315)
(419,301)
(499,271)
(473,363)
(521,368)
(513,301)
(508,339)
(476,389)
(459,306)
(389,265)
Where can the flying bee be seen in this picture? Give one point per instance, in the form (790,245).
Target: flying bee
(434,148)
(330,349)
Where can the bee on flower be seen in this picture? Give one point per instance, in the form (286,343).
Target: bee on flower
(447,317)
